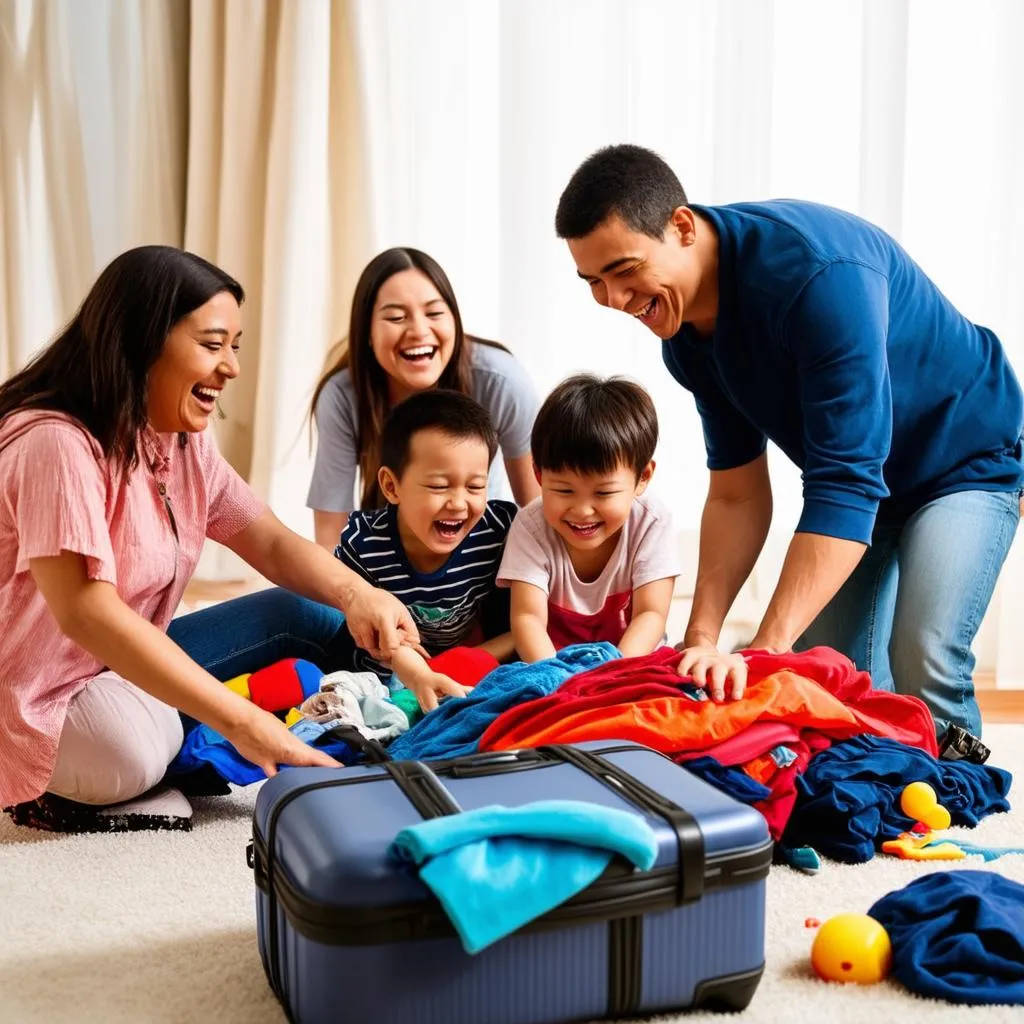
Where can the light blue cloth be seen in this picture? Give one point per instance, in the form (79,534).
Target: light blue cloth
(497,868)
(455,727)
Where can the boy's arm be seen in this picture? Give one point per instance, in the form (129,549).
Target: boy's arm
(502,648)
(647,623)
(411,667)
(530,622)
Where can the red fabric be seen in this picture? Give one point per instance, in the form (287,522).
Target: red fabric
(566,627)
(639,699)
(778,806)
(819,693)
(754,740)
(466,665)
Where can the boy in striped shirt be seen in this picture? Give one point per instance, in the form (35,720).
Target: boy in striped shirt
(438,542)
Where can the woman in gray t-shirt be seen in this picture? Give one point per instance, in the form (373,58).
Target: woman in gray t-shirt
(405,335)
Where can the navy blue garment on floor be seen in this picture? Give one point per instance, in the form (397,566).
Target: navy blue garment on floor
(848,799)
(958,936)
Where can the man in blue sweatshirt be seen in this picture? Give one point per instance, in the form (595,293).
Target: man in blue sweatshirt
(810,327)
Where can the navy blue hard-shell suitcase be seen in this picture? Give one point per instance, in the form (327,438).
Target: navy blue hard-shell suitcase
(348,935)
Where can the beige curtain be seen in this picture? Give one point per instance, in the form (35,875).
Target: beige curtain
(275,196)
(93,100)
(231,127)
(46,257)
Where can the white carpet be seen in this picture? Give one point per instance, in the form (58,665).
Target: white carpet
(153,927)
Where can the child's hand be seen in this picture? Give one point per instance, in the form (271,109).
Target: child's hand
(433,685)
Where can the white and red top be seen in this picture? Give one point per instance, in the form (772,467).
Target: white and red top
(582,612)
(142,533)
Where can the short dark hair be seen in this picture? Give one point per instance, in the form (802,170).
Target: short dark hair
(97,367)
(590,425)
(630,181)
(456,415)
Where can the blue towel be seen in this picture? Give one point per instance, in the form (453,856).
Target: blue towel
(455,727)
(848,799)
(205,746)
(958,936)
(497,868)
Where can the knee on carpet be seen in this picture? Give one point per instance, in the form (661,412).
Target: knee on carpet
(118,762)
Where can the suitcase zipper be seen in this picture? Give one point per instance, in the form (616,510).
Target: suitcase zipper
(618,893)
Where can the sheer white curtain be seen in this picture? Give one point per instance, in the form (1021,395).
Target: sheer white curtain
(905,111)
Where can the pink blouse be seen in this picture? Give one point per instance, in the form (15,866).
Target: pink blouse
(143,534)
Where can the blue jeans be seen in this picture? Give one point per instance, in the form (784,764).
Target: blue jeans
(911,609)
(248,633)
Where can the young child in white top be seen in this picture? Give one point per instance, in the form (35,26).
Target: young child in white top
(594,557)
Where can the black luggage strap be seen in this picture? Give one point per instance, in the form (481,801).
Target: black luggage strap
(424,790)
(689,838)
(373,751)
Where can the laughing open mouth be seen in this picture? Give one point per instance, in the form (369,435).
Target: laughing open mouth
(648,313)
(206,397)
(584,530)
(419,354)
(449,529)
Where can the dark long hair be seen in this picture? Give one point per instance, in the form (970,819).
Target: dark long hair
(369,379)
(96,369)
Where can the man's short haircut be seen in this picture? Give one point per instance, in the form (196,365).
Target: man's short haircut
(589,425)
(454,414)
(630,181)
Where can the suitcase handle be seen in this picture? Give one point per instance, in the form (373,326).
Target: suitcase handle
(503,761)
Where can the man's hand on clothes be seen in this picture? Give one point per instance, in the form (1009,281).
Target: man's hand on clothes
(717,673)
(379,622)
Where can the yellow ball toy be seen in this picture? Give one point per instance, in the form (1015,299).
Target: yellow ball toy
(852,947)
(918,801)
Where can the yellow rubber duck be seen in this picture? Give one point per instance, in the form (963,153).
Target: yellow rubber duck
(852,947)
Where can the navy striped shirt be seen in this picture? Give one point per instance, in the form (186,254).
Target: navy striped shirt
(445,604)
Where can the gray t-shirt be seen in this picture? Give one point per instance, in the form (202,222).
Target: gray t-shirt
(496,381)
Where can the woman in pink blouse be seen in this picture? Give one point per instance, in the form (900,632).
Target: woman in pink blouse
(109,483)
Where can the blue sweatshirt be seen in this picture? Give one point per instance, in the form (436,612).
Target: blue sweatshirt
(834,344)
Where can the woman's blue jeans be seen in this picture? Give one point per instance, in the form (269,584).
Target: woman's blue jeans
(248,633)
(910,611)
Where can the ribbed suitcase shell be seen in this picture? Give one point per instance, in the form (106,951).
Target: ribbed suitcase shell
(346,946)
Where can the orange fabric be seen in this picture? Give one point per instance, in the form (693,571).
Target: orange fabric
(639,699)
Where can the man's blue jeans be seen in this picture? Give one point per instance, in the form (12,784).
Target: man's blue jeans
(910,611)
(251,632)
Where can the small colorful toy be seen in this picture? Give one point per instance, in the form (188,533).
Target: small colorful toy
(852,947)
(279,687)
(929,846)
(919,802)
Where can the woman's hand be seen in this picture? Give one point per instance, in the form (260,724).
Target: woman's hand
(379,622)
(266,742)
(714,671)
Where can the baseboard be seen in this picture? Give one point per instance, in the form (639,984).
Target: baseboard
(1001,706)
